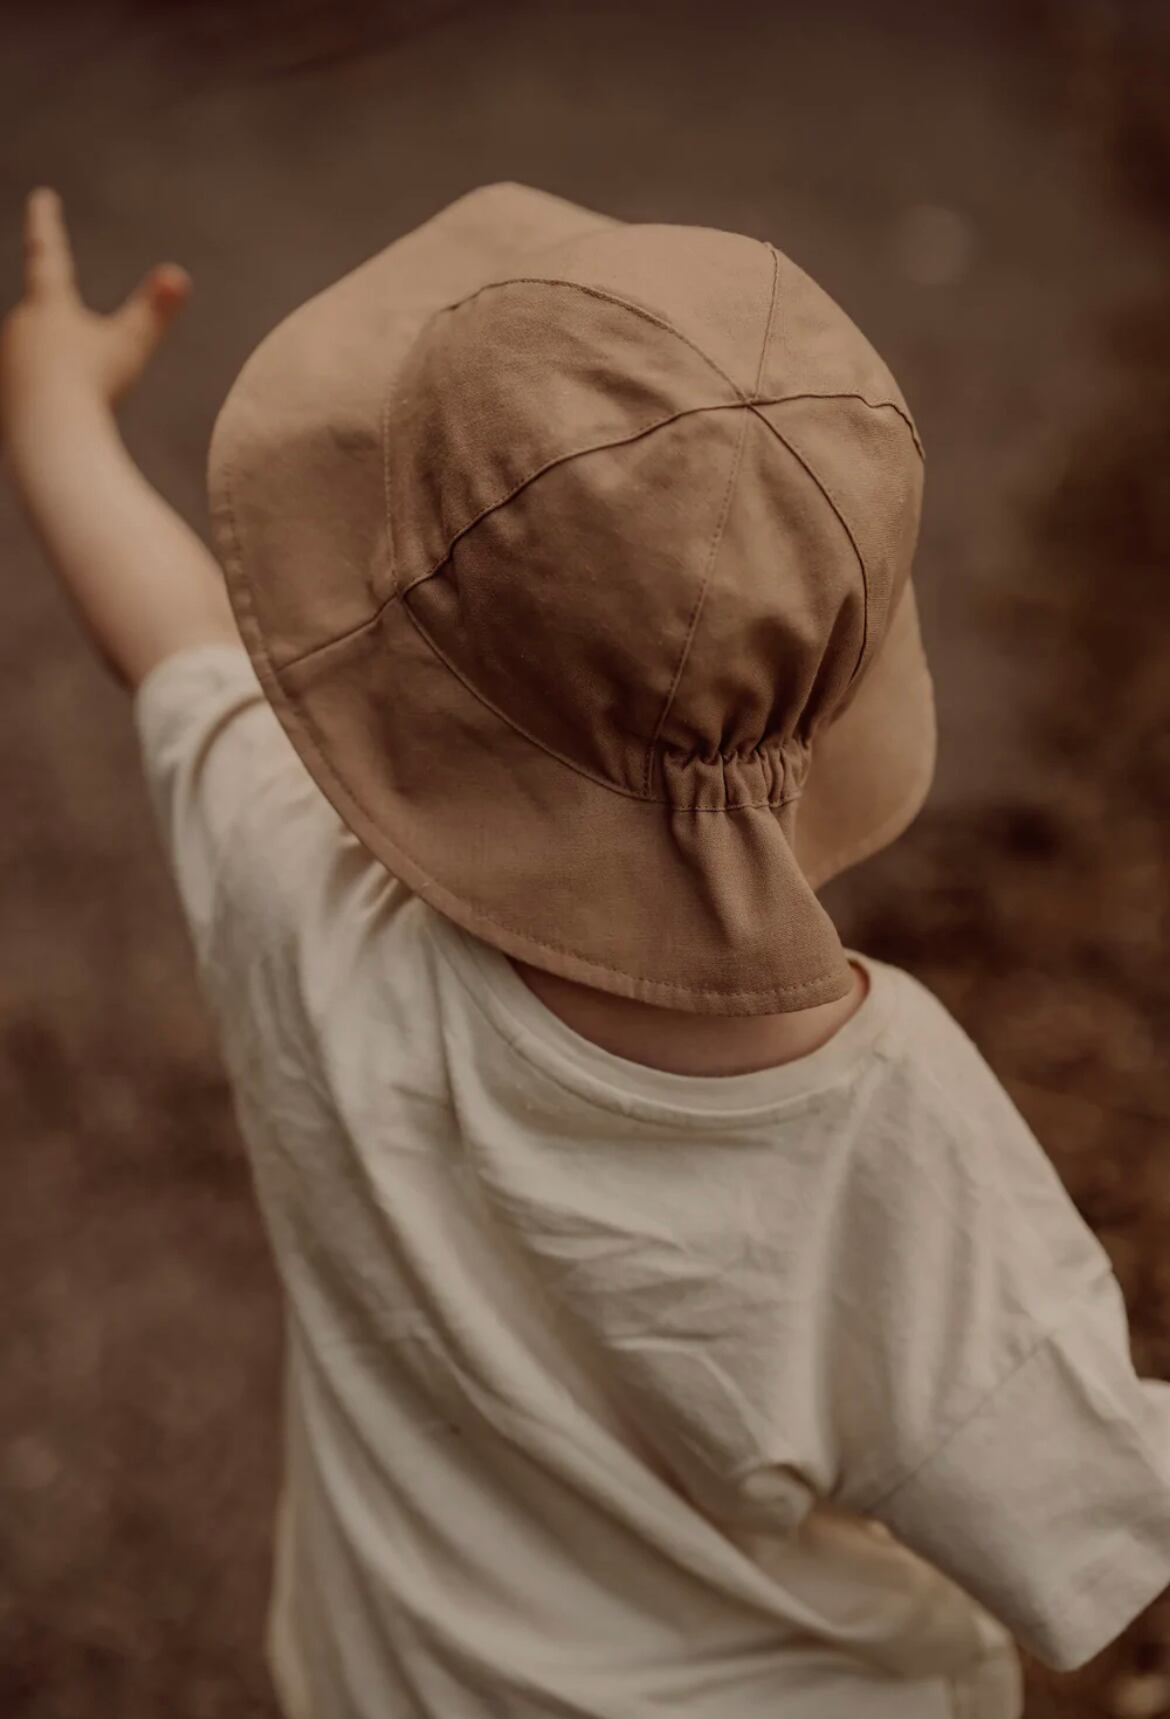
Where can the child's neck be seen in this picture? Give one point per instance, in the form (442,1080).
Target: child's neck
(681,1043)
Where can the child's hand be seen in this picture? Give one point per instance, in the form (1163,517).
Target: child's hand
(51,338)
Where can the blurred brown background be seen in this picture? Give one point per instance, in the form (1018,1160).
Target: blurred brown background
(986,189)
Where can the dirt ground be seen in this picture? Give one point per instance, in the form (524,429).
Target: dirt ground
(986,189)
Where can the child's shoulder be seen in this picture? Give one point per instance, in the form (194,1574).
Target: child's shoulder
(922,1012)
(937,1056)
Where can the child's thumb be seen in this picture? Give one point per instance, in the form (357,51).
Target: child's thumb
(154,304)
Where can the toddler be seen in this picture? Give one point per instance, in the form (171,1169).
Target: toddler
(680,1317)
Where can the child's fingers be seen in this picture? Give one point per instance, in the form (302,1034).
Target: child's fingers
(48,259)
(153,305)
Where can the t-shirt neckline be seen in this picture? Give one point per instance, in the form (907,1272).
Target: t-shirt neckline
(602,1075)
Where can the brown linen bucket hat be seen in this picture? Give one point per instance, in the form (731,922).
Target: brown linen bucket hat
(574,557)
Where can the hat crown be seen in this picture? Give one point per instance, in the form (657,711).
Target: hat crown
(654,495)
(538,549)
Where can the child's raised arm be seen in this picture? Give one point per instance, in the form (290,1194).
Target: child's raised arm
(143,583)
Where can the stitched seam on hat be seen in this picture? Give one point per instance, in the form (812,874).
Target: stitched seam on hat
(766,342)
(851,396)
(607,298)
(597,447)
(589,448)
(563,459)
(594,447)
(713,551)
(669,327)
(833,503)
(792,990)
(846,394)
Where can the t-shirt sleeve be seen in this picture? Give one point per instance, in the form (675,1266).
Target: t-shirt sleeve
(251,841)
(1050,1501)
(991,1415)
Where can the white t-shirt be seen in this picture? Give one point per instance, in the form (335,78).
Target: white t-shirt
(616,1393)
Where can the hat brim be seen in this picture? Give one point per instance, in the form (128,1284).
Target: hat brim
(617,892)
